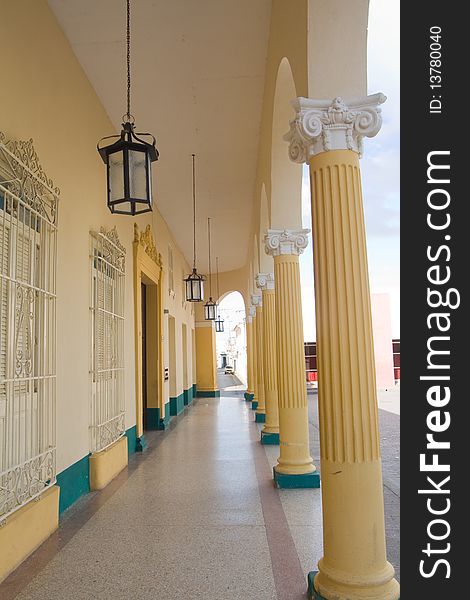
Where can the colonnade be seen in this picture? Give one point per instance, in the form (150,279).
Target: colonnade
(328,136)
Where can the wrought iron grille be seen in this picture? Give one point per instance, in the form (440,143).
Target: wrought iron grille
(107,419)
(28,255)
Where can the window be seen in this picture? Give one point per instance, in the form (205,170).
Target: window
(28,249)
(107,258)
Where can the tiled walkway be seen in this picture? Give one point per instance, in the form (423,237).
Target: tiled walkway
(195,516)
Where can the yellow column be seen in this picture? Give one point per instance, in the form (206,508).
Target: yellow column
(249,394)
(254,335)
(354,565)
(260,407)
(270,432)
(295,467)
(206,360)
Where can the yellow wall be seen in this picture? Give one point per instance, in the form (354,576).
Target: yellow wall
(206,354)
(48,98)
(27,528)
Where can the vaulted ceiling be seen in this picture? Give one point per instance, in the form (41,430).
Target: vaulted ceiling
(198,72)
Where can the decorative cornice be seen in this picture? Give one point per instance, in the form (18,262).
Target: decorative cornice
(256,300)
(286,241)
(112,236)
(25,153)
(265,281)
(252,311)
(323,125)
(145,239)
(21,174)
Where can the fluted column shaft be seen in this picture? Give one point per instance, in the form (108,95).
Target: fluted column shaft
(270,362)
(249,355)
(294,455)
(254,335)
(354,565)
(295,467)
(260,409)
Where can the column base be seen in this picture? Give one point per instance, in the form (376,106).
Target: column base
(298,480)
(254,405)
(141,444)
(249,397)
(208,393)
(269,439)
(312,593)
(260,417)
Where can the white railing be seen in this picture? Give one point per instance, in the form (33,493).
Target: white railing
(28,256)
(107,262)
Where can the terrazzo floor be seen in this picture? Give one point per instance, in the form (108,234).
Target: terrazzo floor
(195,516)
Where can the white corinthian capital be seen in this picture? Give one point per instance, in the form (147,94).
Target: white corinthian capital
(286,241)
(323,125)
(265,281)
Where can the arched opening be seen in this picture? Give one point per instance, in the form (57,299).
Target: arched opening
(231,344)
(266,262)
(286,176)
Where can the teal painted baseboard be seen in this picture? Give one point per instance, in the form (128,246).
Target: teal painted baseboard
(163,423)
(194,390)
(311,591)
(254,405)
(176,405)
(74,482)
(186,397)
(249,397)
(131,435)
(208,394)
(269,439)
(152,418)
(190,394)
(302,480)
(260,418)
(141,444)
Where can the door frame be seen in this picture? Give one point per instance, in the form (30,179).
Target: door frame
(148,265)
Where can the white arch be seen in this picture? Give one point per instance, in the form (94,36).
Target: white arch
(286,176)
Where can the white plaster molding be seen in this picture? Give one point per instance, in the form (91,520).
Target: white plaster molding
(256,300)
(265,281)
(252,311)
(286,241)
(323,125)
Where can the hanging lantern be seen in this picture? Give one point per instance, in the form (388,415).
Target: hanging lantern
(128,159)
(194,281)
(219,322)
(210,307)
(210,310)
(194,287)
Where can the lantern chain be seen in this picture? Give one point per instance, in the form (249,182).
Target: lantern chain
(128,115)
(217,267)
(210,273)
(194,211)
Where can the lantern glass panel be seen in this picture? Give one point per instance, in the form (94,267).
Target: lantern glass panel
(116,175)
(138,175)
(198,289)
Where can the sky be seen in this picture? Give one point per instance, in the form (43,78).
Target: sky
(380,172)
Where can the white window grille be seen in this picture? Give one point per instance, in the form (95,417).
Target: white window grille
(28,254)
(107,419)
